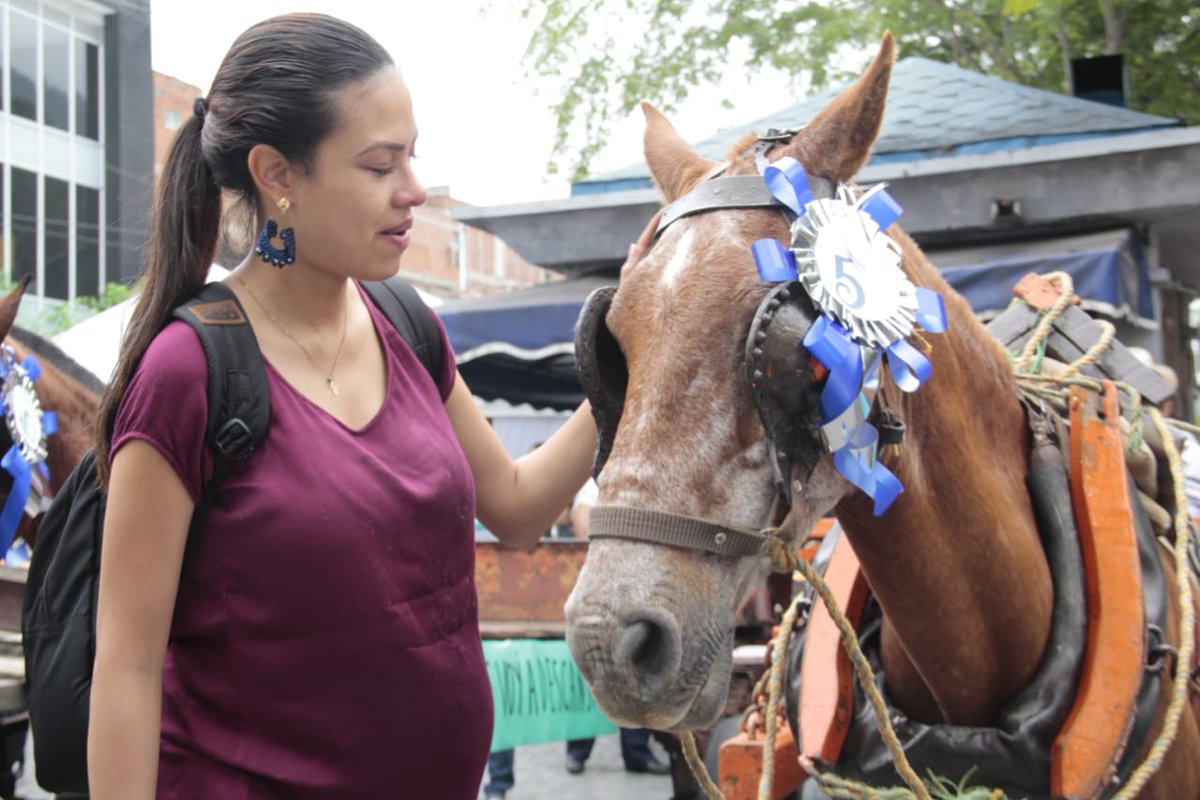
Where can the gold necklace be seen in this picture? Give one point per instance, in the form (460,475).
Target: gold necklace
(330,382)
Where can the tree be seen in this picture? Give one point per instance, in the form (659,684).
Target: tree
(605,56)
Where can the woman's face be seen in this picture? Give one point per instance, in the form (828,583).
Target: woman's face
(353,211)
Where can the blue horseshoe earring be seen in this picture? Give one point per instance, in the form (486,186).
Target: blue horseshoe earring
(269,252)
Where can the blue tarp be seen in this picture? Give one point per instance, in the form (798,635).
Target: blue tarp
(1108,269)
(519,346)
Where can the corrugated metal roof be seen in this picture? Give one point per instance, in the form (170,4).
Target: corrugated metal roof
(936,109)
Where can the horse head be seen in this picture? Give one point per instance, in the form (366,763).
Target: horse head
(651,626)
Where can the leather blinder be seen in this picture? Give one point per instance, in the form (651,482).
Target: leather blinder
(603,373)
(782,381)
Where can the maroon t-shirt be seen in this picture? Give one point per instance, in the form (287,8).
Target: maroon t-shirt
(325,642)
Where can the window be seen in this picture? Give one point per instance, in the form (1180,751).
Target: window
(23,83)
(3,50)
(87,242)
(58,239)
(171,119)
(3,243)
(56,77)
(87,89)
(24,222)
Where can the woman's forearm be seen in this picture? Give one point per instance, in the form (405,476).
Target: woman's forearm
(123,732)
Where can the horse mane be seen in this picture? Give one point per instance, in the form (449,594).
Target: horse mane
(743,143)
(44,348)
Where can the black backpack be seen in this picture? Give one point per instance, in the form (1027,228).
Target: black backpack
(58,620)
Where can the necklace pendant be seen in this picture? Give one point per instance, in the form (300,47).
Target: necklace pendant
(332,384)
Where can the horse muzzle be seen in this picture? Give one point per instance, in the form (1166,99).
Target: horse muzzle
(647,664)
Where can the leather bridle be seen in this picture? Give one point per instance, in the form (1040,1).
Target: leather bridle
(777,370)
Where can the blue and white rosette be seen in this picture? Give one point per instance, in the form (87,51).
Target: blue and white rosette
(851,271)
(28,425)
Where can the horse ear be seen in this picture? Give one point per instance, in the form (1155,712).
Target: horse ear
(838,140)
(10,303)
(676,167)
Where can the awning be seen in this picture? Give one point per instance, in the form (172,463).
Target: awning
(1109,271)
(519,346)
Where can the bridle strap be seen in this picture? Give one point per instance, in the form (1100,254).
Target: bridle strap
(734,191)
(659,527)
(739,191)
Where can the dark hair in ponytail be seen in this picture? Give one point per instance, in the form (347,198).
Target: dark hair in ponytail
(277,87)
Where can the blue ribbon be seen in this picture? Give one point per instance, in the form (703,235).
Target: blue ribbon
(775,262)
(10,516)
(882,208)
(877,481)
(931,310)
(831,344)
(786,180)
(31,366)
(17,555)
(909,365)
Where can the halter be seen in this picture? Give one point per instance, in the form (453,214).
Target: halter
(780,323)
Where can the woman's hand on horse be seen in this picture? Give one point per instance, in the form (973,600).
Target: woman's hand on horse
(643,243)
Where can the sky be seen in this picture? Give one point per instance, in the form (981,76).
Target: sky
(483,132)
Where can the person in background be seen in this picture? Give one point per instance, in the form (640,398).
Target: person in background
(1189,453)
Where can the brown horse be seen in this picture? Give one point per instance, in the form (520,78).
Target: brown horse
(955,564)
(65,388)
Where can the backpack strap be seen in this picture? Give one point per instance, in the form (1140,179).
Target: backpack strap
(408,313)
(239,409)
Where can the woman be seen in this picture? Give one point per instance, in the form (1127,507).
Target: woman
(322,640)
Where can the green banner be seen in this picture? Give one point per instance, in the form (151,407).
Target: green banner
(538,694)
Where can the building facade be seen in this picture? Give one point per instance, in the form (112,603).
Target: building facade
(75,133)
(173,102)
(451,259)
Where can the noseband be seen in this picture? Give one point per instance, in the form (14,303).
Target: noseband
(776,371)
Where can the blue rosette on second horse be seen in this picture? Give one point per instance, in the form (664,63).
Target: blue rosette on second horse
(28,426)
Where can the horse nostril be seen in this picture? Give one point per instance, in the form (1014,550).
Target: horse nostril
(650,650)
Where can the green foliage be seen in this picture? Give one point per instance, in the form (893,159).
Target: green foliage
(603,57)
(55,316)
(112,294)
(941,788)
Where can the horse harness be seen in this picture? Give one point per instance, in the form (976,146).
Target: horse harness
(777,370)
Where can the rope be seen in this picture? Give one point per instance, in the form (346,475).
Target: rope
(1108,333)
(699,771)
(866,678)
(1067,296)
(766,778)
(1187,623)
(1186,426)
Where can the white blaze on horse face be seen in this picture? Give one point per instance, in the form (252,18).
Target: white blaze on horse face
(689,451)
(679,259)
